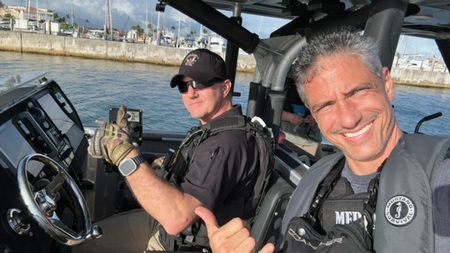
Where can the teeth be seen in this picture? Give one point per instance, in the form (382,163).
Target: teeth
(360,132)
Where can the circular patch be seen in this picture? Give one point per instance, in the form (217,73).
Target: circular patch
(400,210)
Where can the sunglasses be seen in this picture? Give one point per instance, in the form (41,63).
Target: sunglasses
(184,86)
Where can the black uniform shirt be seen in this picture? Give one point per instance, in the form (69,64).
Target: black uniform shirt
(223,173)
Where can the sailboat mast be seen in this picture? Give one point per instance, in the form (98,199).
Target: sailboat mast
(71,14)
(146,18)
(105,29)
(110,18)
(28,9)
(37,10)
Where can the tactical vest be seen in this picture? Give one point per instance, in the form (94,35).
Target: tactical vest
(177,165)
(342,206)
(404,216)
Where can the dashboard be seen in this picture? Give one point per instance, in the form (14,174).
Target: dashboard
(37,119)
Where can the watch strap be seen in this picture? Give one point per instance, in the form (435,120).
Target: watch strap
(138,160)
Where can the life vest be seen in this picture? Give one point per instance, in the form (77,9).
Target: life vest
(404,215)
(177,165)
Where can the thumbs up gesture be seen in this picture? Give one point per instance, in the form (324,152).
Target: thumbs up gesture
(234,236)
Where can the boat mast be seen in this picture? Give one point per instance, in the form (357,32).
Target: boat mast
(28,9)
(108,19)
(71,14)
(146,20)
(37,10)
(158,35)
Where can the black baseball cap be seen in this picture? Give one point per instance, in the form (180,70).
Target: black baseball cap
(202,66)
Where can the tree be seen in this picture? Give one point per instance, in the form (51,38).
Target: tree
(1,4)
(139,30)
(8,16)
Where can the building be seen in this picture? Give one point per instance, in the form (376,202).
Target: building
(29,18)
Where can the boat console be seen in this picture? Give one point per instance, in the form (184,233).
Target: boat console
(43,151)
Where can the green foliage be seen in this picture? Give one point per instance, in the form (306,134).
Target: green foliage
(8,17)
(59,19)
(65,26)
(139,30)
(63,21)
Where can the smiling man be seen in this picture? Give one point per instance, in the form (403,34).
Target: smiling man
(222,165)
(384,191)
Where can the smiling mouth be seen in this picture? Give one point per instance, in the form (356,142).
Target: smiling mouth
(195,103)
(358,133)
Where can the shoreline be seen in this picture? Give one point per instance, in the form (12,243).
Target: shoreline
(35,43)
(24,42)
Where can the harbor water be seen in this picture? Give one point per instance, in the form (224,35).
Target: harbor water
(94,86)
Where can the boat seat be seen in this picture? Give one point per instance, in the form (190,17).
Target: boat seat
(267,224)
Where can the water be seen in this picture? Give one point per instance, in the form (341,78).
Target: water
(94,86)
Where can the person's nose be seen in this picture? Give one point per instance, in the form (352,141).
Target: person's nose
(348,114)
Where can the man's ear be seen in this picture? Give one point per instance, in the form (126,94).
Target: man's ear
(226,89)
(389,86)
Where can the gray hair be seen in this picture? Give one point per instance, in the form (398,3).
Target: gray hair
(331,43)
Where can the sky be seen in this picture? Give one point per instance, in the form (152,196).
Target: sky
(127,13)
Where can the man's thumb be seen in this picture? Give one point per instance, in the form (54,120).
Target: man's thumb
(208,217)
(268,248)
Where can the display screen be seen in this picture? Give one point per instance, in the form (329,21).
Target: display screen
(53,110)
(16,147)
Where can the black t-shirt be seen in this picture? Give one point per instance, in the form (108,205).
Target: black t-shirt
(223,173)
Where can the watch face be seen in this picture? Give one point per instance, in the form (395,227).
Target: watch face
(127,167)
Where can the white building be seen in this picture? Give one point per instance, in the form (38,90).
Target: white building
(28,18)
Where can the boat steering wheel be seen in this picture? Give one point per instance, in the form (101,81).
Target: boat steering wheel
(42,203)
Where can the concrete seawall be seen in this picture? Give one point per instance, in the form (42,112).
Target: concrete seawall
(146,53)
(101,49)
(428,79)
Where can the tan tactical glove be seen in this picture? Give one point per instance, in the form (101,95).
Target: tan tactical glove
(111,141)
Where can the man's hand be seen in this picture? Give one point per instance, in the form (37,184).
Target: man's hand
(116,142)
(111,141)
(115,149)
(232,237)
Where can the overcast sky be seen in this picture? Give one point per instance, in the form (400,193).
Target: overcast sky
(127,13)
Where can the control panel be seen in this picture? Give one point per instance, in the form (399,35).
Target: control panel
(42,120)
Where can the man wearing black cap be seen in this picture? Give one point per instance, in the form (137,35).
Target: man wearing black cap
(219,171)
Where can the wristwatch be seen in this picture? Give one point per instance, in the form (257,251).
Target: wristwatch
(130,165)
